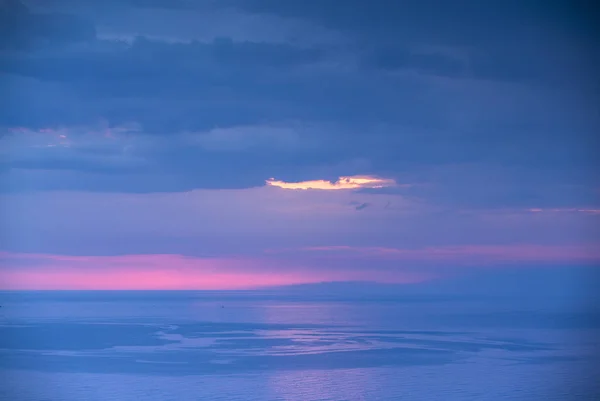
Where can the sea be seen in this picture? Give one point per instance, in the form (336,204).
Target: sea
(182,345)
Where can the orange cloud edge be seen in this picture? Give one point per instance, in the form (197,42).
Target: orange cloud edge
(344,182)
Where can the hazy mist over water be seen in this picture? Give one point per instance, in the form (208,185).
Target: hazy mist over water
(272,346)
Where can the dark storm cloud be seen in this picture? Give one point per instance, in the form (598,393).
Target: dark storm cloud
(461,22)
(21,29)
(509,40)
(169,87)
(410,90)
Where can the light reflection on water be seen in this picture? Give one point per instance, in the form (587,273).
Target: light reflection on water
(188,347)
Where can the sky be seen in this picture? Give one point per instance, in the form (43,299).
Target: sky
(199,144)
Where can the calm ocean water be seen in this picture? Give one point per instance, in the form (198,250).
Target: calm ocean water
(235,346)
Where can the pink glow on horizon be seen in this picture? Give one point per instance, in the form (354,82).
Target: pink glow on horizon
(164,272)
(140,279)
(137,272)
(21,271)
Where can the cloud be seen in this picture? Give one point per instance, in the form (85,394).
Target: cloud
(87,149)
(210,23)
(342,183)
(251,138)
(422,61)
(565,210)
(139,161)
(476,255)
(478,186)
(195,85)
(34,271)
(245,222)
(21,29)
(136,137)
(456,44)
(217,104)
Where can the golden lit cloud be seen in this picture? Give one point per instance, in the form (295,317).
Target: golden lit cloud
(354,182)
